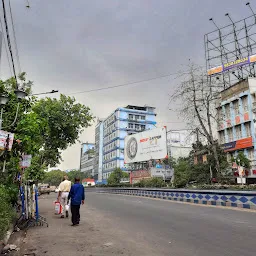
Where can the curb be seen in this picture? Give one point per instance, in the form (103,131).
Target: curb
(193,201)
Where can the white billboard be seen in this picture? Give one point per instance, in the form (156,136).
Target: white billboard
(181,138)
(145,146)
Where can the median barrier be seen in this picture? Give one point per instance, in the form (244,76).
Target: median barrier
(240,199)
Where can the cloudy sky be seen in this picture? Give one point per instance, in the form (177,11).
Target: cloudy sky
(80,45)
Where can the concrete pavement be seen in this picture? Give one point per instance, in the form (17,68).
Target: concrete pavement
(125,225)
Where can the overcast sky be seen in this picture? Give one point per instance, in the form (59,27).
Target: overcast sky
(80,45)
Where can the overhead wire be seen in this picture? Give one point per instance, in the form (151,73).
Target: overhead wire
(14,37)
(5,46)
(9,41)
(125,84)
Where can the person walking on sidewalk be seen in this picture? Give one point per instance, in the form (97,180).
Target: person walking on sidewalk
(64,190)
(77,196)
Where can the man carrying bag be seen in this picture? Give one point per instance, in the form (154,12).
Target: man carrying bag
(77,197)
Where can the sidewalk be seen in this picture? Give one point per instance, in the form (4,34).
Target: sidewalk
(94,236)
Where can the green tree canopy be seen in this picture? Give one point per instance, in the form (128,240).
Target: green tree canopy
(46,127)
(116,176)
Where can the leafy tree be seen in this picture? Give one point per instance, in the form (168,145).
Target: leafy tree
(182,172)
(242,160)
(54,177)
(46,127)
(116,176)
(77,174)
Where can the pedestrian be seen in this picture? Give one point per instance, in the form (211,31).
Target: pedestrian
(77,196)
(64,189)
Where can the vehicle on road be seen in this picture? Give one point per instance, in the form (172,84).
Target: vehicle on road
(44,189)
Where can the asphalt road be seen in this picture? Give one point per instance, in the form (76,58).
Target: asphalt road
(169,228)
(132,226)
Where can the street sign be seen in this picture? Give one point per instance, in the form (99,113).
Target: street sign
(26,161)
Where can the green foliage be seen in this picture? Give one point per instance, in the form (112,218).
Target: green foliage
(8,196)
(54,177)
(77,174)
(116,176)
(154,182)
(182,173)
(46,127)
(242,160)
(64,121)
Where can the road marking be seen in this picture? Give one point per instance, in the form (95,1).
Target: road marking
(193,204)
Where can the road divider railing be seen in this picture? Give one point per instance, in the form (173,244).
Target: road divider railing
(240,199)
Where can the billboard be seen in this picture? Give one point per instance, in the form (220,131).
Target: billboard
(180,138)
(232,64)
(26,161)
(144,146)
(6,140)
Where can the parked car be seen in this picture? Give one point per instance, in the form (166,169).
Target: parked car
(44,189)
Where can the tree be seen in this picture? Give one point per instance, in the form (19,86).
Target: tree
(64,121)
(242,160)
(182,172)
(116,176)
(77,174)
(197,99)
(54,177)
(46,127)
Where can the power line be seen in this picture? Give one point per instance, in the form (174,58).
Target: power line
(5,46)
(123,85)
(9,41)
(14,36)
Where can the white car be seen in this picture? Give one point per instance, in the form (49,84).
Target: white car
(57,190)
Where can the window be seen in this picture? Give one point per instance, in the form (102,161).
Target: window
(236,107)
(227,111)
(245,103)
(143,118)
(137,127)
(222,137)
(130,126)
(130,116)
(238,132)
(248,129)
(230,134)
(137,117)
(143,127)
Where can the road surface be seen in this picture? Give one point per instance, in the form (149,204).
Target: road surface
(126,225)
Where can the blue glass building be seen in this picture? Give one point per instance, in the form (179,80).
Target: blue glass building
(123,122)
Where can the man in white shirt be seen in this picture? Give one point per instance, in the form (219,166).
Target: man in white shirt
(64,189)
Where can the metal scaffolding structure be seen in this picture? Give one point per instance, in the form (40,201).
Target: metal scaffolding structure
(230,51)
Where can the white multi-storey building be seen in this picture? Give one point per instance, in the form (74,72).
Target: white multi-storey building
(98,150)
(123,122)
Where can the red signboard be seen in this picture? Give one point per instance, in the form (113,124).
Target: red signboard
(239,144)
(254,172)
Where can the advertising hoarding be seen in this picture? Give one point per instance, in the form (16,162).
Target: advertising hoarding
(3,140)
(26,161)
(180,138)
(145,146)
(233,64)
